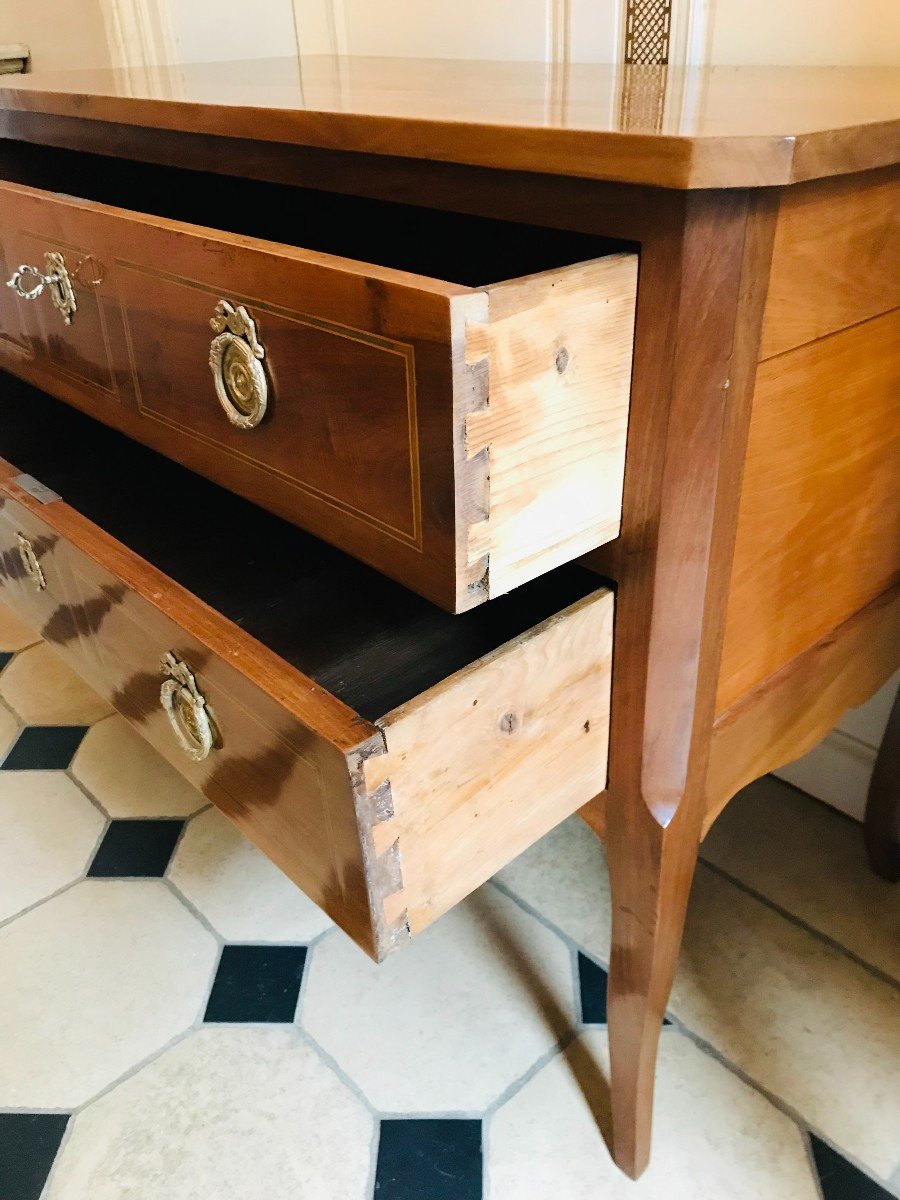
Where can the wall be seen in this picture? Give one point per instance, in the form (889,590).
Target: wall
(809,32)
(839,769)
(92,32)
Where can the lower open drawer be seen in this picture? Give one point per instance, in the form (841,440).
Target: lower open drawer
(387,756)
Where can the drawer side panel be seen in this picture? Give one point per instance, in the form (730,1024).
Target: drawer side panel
(484,764)
(558,348)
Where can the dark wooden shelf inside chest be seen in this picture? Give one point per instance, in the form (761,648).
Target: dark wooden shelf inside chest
(364,638)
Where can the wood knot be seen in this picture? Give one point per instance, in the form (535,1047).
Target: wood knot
(509,723)
(562,360)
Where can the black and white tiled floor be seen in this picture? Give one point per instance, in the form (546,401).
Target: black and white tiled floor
(178,1022)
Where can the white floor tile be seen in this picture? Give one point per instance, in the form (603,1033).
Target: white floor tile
(44,690)
(564,877)
(91,983)
(715,1138)
(49,831)
(241,892)
(450,1021)
(812,862)
(800,1018)
(128,777)
(227,1114)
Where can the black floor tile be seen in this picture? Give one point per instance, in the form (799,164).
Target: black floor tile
(5,656)
(437,1159)
(44,748)
(840,1179)
(28,1146)
(256,983)
(592,981)
(592,984)
(135,848)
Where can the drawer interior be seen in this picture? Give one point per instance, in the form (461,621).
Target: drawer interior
(387,756)
(367,640)
(457,248)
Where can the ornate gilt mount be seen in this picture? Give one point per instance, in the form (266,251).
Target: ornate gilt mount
(235,359)
(55,278)
(186,708)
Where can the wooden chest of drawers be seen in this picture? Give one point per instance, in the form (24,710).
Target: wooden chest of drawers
(448,367)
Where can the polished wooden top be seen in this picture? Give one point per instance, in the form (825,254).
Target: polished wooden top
(693,128)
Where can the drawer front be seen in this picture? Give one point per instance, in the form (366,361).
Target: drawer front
(285,784)
(34,578)
(461,440)
(286,789)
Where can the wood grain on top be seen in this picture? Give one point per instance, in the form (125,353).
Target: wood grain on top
(707,127)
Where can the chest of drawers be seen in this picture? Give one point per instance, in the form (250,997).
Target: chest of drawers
(465,332)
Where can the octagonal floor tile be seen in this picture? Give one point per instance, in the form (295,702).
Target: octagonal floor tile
(800,1018)
(15,634)
(454,1018)
(235,1114)
(241,892)
(804,1020)
(44,690)
(564,877)
(50,830)
(128,777)
(782,844)
(714,1136)
(91,983)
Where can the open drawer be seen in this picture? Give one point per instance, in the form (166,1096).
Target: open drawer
(462,437)
(387,756)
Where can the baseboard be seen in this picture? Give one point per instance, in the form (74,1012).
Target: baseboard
(837,771)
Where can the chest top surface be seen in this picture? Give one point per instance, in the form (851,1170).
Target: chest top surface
(705,127)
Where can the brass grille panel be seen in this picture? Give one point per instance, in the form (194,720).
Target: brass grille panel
(648,25)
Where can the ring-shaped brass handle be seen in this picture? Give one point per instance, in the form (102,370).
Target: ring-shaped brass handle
(185,706)
(235,359)
(30,564)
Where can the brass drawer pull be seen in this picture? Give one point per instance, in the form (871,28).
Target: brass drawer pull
(55,278)
(185,706)
(30,562)
(235,359)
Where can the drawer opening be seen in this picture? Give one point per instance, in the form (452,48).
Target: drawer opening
(467,250)
(367,640)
